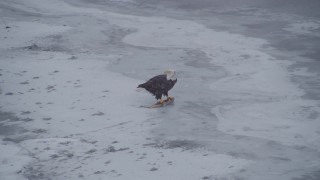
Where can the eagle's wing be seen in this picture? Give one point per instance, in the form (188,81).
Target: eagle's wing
(157,82)
(157,85)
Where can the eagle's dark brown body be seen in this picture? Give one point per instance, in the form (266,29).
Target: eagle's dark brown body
(158,85)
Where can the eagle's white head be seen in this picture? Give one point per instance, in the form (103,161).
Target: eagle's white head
(171,74)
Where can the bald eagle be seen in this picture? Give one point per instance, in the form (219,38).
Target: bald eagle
(160,85)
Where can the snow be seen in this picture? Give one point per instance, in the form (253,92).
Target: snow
(69,109)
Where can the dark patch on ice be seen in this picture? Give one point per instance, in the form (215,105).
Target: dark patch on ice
(300,147)
(115,173)
(32,47)
(242,155)
(65,143)
(206,177)
(31,89)
(34,174)
(88,141)
(48,47)
(123,149)
(9,94)
(38,131)
(98,172)
(18,74)
(98,114)
(73,58)
(25,82)
(111,149)
(10,129)
(280,158)
(77,86)
(66,153)
(7,116)
(183,144)
(154,169)
(19,137)
(27,119)
(107,162)
(50,88)
(245,56)
(25,112)
(54,156)
(91,151)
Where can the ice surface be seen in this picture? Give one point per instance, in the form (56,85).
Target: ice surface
(69,109)
(12,160)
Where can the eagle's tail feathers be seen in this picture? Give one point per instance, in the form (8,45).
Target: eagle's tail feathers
(140,88)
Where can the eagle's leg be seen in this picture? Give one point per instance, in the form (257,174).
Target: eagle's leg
(159,98)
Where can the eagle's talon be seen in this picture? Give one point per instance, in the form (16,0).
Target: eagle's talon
(160,102)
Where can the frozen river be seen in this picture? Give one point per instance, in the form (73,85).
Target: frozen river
(246,101)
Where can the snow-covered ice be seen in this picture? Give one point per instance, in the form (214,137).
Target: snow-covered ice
(246,101)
